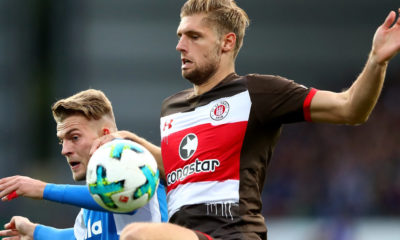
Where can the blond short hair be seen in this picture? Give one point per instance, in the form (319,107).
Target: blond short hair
(225,15)
(92,104)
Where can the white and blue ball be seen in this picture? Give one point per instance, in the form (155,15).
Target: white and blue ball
(122,176)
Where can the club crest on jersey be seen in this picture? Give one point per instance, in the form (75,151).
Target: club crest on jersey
(219,111)
(188,146)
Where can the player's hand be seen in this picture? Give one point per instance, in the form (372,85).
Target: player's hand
(386,43)
(109,137)
(11,187)
(18,228)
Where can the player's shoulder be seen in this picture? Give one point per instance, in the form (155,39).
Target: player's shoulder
(176,101)
(179,95)
(266,78)
(266,83)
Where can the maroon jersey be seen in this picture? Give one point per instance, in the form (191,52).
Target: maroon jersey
(216,148)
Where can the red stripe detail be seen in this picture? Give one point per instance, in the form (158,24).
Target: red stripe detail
(222,143)
(208,237)
(307,104)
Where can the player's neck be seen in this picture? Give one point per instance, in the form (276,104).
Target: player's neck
(214,80)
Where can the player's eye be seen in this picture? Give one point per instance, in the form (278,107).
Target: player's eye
(60,141)
(195,36)
(75,138)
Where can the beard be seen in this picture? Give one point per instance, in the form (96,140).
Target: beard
(202,74)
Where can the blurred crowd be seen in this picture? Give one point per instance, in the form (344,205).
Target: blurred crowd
(321,170)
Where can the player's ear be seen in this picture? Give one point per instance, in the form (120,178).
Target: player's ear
(229,42)
(106,131)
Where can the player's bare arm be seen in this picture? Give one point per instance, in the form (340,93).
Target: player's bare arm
(155,150)
(354,105)
(22,186)
(152,231)
(19,228)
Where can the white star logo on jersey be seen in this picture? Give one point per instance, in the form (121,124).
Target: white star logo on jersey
(188,146)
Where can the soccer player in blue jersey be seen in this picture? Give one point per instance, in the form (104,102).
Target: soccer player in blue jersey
(81,119)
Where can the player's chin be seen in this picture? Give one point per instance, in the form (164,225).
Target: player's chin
(78,176)
(187,72)
(189,75)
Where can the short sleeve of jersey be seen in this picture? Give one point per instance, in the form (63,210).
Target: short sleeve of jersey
(276,99)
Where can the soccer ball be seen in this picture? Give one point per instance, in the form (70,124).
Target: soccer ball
(122,176)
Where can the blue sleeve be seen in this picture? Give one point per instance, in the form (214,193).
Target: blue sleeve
(77,195)
(162,201)
(49,233)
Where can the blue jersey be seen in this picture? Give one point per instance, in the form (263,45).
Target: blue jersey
(97,223)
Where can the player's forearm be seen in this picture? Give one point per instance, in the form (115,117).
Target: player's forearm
(77,195)
(365,91)
(49,233)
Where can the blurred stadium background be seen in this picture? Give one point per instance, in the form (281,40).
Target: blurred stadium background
(324,182)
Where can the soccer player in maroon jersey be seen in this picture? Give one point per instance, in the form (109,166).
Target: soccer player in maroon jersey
(217,138)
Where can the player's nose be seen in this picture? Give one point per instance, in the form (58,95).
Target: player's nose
(181,46)
(66,148)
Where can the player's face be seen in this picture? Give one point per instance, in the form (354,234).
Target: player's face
(76,134)
(200,49)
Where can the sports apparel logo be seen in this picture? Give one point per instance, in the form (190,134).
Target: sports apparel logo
(168,124)
(188,146)
(219,111)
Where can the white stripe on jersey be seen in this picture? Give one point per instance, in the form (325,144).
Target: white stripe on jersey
(200,192)
(79,226)
(239,110)
(148,213)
